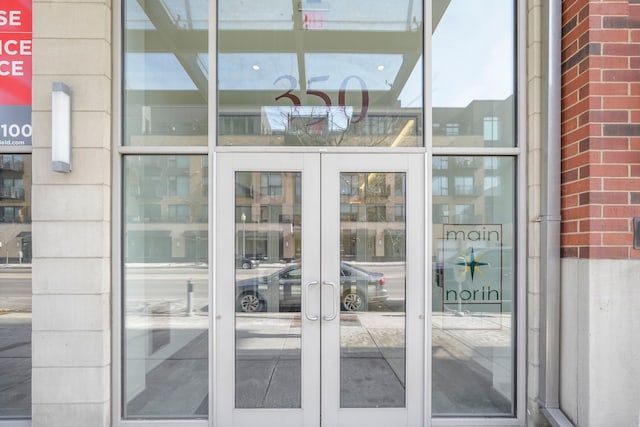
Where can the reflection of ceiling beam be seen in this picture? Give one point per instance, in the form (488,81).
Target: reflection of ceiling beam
(164,97)
(438,8)
(187,44)
(351,42)
(150,41)
(300,44)
(168,39)
(250,41)
(166,34)
(272,41)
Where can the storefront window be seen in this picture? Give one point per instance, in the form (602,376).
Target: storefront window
(473,290)
(320,73)
(165,288)
(165,235)
(15,286)
(473,73)
(166,72)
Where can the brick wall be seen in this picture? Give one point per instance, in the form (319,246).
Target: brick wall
(600,128)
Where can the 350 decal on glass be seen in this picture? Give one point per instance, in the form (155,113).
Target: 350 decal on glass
(342,93)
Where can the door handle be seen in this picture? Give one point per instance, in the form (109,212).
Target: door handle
(306,301)
(334,289)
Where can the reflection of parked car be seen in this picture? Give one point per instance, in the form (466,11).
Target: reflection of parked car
(359,289)
(245,262)
(258,257)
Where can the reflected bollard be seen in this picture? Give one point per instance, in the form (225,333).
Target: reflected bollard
(189,297)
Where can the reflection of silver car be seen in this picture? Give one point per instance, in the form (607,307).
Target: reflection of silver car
(359,289)
(245,262)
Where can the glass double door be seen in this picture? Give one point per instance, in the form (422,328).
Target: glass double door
(319,289)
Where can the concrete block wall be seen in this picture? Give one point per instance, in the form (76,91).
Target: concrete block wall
(72,218)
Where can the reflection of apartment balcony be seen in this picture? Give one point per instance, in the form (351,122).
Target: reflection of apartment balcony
(15,166)
(467,162)
(377,191)
(12,193)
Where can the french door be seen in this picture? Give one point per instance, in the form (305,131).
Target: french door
(319,289)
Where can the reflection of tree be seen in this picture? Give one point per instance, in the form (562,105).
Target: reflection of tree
(324,127)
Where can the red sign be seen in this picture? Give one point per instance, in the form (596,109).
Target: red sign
(15,16)
(313,20)
(15,69)
(15,72)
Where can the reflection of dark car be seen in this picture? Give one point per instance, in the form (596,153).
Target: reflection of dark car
(359,289)
(245,262)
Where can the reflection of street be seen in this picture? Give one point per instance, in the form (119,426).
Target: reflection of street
(371,368)
(150,286)
(268,360)
(15,341)
(394,274)
(15,289)
(472,363)
(166,348)
(170,283)
(372,360)
(166,355)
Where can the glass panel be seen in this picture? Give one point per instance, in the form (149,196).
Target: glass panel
(473,73)
(372,279)
(15,286)
(321,73)
(165,72)
(165,287)
(268,289)
(473,288)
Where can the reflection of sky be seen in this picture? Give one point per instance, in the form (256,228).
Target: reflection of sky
(155,71)
(236,72)
(411,95)
(329,15)
(473,53)
(377,71)
(135,18)
(323,71)
(255,15)
(185,14)
(188,14)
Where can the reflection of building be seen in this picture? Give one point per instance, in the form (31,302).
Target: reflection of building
(481,123)
(15,208)
(470,189)
(269,203)
(166,210)
(372,216)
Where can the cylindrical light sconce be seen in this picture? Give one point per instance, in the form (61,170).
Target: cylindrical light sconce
(61,127)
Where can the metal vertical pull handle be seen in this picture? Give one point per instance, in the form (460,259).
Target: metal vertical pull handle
(306,301)
(334,312)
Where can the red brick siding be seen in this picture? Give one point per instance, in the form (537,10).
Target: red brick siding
(600,127)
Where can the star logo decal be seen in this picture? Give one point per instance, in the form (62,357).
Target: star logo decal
(472,263)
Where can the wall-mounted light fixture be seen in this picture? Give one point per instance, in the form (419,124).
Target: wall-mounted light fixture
(61,127)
